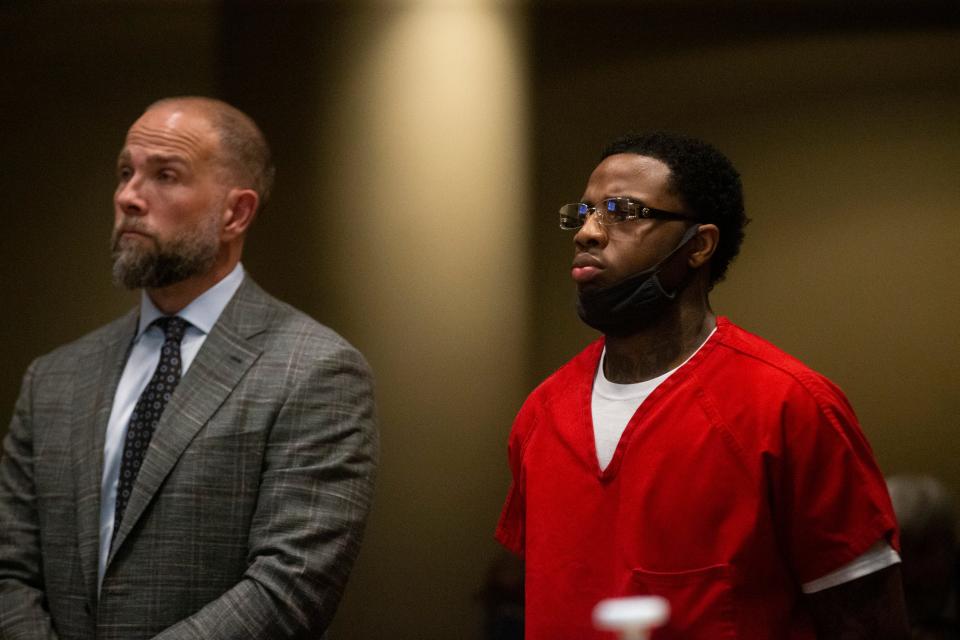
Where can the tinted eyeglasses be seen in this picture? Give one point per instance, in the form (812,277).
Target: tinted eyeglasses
(613,211)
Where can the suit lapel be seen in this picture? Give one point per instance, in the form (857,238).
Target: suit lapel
(221,363)
(97,375)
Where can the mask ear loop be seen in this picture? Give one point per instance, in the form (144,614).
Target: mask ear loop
(658,268)
(688,235)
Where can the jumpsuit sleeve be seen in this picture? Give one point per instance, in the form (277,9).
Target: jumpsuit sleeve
(830,498)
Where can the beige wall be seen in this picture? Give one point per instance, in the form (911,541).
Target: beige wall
(421,220)
(422,150)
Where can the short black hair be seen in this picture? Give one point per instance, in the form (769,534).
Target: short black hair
(705,180)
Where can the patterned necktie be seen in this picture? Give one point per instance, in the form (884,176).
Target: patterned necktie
(149,408)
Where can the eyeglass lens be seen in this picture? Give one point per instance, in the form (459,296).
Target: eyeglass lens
(610,211)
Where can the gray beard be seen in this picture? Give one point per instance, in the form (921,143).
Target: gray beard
(136,267)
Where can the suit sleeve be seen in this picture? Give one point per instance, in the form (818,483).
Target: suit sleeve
(23,606)
(315,493)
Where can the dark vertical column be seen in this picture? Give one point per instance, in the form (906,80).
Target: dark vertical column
(271,66)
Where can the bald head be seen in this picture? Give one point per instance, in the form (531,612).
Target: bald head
(243,150)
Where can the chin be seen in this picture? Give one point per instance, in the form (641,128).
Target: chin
(591,285)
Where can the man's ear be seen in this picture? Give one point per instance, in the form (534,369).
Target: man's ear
(239,212)
(705,244)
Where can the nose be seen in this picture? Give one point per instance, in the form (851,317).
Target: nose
(129,199)
(592,233)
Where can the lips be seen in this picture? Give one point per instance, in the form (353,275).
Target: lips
(585,268)
(129,231)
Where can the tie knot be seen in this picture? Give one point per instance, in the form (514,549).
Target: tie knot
(173,327)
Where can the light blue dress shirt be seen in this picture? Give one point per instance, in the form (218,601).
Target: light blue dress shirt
(202,314)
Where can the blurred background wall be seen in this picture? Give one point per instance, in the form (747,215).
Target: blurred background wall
(423,148)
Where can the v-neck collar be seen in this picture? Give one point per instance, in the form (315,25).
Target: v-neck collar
(585,393)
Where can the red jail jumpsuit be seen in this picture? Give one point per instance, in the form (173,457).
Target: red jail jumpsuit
(741,477)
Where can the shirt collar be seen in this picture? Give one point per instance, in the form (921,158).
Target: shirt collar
(205,309)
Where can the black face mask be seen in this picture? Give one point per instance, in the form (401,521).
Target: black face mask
(623,308)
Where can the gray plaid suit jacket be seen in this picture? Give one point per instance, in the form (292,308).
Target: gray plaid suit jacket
(249,508)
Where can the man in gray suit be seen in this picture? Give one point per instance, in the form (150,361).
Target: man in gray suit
(203,466)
